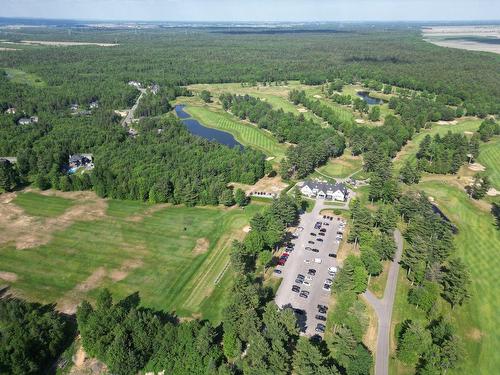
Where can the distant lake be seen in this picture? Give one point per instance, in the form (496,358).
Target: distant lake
(196,128)
(365,95)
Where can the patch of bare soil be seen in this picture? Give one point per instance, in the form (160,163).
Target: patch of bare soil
(8,276)
(201,246)
(246,229)
(27,231)
(468,133)
(84,365)
(302,110)
(453,122)
(475,334)
(317,96)
(274,185)
(370,337)
(360,121)
(476,167)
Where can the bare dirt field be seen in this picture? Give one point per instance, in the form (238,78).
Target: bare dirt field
(266,184)
(472,38)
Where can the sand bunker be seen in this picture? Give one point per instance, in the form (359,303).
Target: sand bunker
(476,167)
(492,192)
(360,121)
(453,122)
(318,96)
(302,110)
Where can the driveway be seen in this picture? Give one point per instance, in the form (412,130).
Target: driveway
(295,265)
(383,308)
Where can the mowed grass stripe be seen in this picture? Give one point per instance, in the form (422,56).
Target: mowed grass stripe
(247,134)
(489,156)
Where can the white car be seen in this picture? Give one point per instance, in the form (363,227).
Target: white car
(332,269)
(317,260)
(309,277)
(307,261)
(328,281)
(306,283)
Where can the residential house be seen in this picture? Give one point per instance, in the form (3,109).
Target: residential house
(324,190)
(94,104)
(74,107)
(79,160)
(34,119)
(155,89)
(135,84)
(24,121)
(11,111)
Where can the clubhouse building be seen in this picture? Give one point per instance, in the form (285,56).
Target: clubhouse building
(316,189)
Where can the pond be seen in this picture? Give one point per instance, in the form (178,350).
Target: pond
(196,128)
(365,95)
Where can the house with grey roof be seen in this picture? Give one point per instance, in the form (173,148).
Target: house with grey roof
(324,190)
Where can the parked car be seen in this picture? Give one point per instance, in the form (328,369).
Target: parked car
(326,287)
(322,308)
(320,328)
(321,234)
(323,230)
(321,317)
(325,223)
(299,281)
(304,294)
(319,239)
(296,288)
(308,277)
(332,269)
(307,283)
(329,281)
(315,250)
(332,255)
(307,261)
(317,225)
(311,271)
(317,260)
(300,276)
(310,242)
(277,271)
(313,234)
(307,248)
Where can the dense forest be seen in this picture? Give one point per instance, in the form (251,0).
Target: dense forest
(208,55)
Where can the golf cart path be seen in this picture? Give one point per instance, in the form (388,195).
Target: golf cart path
(383,309)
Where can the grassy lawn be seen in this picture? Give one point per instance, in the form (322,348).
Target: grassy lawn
(246,134)
(343,166)
(477,243)
(35,204)
(377,283)
(489,156)
(19,76)
(171,255)
(409,151)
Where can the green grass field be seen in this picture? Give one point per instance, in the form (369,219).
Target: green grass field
(409,151)
(246,134)
(39,205)
(343,166)
(477,243)
(19,76)
(171,255)
(489,156)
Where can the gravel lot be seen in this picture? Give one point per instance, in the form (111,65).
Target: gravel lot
(295,265)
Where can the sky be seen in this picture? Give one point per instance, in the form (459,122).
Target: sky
(254,10)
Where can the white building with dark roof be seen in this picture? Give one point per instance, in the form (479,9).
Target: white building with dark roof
(316,189)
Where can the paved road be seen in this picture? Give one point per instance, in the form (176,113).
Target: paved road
(383,309)
(296,265)
(127,121)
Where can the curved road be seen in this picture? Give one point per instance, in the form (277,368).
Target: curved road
(383,309)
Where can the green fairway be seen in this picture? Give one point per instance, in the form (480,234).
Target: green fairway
(343,166)
(409,151)
(19,76)
(171,255)
(39,205)
(477,243)
(247,134)
(489,156)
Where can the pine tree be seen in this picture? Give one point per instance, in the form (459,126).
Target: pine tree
(456,281)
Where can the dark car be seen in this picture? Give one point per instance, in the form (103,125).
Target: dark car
(332,255)
(321,234)
(296,288)
(304,294)
(321,317)
(325,223)
(300,276)
(299,281)
(282,261)
(323,230)
(319,239)
(311,272)
(307,248)
(317,225)
(313,234)
(322,309)
(277,271)
(315,250)
(310,242)
(320,328)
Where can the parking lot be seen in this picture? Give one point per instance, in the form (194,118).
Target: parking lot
(310,265)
